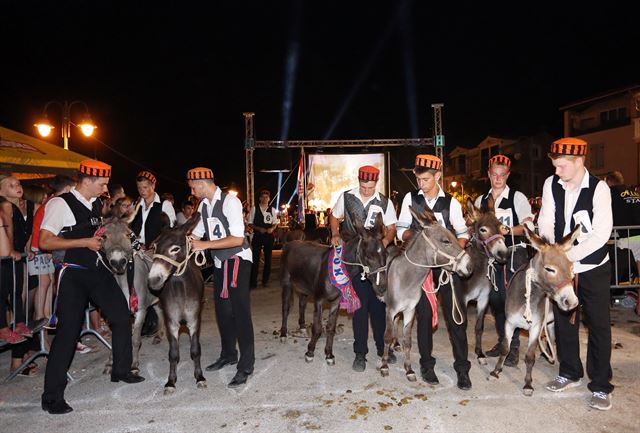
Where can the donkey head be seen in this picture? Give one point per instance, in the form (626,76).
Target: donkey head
(489,231)
(372,253)
(552,270)
(440,245)
(172,243)
(117,241)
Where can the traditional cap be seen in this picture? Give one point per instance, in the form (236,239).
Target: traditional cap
(500,160)
(147,175)
(569,146)
(368,173)
(92,167)
(199,173)
(428,161)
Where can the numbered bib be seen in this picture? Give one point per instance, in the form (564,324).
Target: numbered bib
(216,229)
(374,210)
(268,218)
(505,216)
(582,218)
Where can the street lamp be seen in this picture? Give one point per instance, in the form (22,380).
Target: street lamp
(86,125)
(455,184)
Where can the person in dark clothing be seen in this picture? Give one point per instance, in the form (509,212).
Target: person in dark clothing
(263,219)
(70,222)
(149,220)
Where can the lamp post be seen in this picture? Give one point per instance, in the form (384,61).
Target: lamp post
(86,124)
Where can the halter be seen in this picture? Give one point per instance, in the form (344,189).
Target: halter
(445,276)
(491,269)
(181,267)
(365,269)
(485,242)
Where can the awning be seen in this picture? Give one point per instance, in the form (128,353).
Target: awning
(27,157)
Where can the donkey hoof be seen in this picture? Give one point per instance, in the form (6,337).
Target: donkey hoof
(168,390)
(156,340)
(495,374)
(384,371)
(107,370)
(283,339)
(528,392)
(308,358)
(411,376)
(201,384)
(331,361)
(482,361)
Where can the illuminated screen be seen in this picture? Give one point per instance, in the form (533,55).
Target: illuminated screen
(330,175)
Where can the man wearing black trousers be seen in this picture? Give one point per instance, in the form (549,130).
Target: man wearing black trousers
(221,232)
(570,197)
(365,203)
(263,220)
(69,224)
(448,212)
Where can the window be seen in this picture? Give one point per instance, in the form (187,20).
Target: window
(614,117)
(597,156)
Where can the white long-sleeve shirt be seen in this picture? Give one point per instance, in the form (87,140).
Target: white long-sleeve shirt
(455,215)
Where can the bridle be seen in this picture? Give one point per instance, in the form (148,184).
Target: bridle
(452,261)
(181,267)
(366,271)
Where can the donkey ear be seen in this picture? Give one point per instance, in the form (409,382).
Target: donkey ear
(191,223)
(425,218)
(378,226)
(567,242)
(131,215)
(491,203)
(357,224)
(474,212)
(536,241)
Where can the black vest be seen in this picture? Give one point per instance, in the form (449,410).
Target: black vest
(505,203)
(226,253)
(258,219)
(152,225)
(584,202)
(87,222)
(442,206)
(353,208)
(22,228)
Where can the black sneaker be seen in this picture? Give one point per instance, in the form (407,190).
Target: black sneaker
(360,363)
(429,376)
(464,382)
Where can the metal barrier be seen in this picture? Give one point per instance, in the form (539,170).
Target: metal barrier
(624,272)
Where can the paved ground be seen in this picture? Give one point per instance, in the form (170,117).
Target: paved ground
(288,395)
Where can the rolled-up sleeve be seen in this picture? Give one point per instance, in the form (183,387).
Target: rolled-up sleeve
(338,208)
(55,216)
(232,209)
(198,231)
(389,217)
(523,207)
(457,219)
(547,216)
(404,219)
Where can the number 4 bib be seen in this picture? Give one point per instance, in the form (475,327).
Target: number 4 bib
(216,229)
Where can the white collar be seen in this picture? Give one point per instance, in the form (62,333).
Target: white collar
(583,184)
(356,191)
(156,199)
(440,194)
(81,197)
(503,194)
(216,196)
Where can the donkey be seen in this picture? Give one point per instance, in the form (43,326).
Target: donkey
(487,247)
(305,268)
(547,276)
(433,247)
(118,252)
(175,274)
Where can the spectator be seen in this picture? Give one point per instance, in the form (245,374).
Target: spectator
(148,221)
(185,213)
(263,221)
(122,206)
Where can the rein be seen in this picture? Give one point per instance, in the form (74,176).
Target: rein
(445,276)
(181,267)
(365,269)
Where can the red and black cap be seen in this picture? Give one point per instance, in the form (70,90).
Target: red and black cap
(95,168)
(428,161)
(569,146)
(147,175)
(368,173)
(199,173)
(500,160)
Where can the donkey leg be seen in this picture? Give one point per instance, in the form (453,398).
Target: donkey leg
(530,358)
(302,303)
(136,338)
(331,332)
(157,339)
(317,331)
(479,330)
(388,341)
(173,329)
(286,301)
(406,343)
(194,332)
(509,328)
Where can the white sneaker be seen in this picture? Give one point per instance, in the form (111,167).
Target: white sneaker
(600,400)
(561,383)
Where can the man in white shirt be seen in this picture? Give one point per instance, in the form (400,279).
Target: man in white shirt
(570,197)
(263,219)
(365,203)
(512,208)
(448,212)
(148,222)
(221,232)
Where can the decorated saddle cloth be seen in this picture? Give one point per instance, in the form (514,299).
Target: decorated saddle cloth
(427,286)
(340,280)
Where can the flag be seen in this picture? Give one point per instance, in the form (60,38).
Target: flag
(301,190)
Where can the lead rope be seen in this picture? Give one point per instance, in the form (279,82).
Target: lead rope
(365,269)
(445,276)
(491,273)
(546,344)
(200,259)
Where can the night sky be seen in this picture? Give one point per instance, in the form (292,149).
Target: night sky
(167,84)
